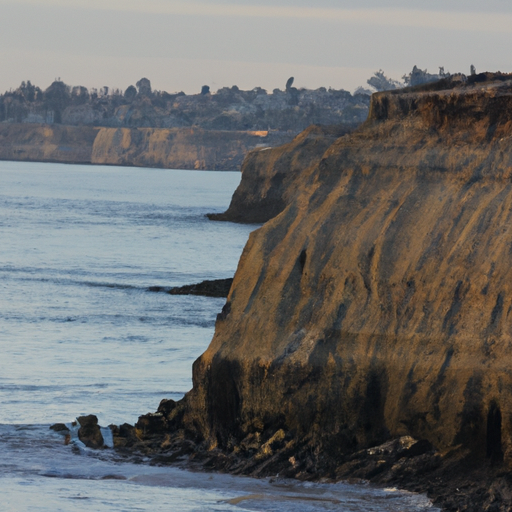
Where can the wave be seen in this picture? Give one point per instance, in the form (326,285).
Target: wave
(172,320)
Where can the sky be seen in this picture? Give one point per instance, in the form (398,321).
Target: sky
(181,45)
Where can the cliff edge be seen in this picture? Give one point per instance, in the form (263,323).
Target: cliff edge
(271,176)
(377,305)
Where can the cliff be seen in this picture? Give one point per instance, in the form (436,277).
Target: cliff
(376,306)
(175,148)
(271,176)
(43,143)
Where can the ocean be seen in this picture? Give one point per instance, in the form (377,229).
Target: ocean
(80,333)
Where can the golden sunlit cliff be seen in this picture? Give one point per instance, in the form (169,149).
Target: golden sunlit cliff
(378,304)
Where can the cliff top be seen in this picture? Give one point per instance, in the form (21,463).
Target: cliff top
(481,104)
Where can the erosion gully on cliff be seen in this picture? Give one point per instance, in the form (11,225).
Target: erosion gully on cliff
(368,329)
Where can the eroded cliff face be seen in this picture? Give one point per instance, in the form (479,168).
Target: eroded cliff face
(272,176)
(173,148)
(378,303)
(44,143)
(178,148)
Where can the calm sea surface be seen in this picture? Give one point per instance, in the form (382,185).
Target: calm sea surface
(80,333)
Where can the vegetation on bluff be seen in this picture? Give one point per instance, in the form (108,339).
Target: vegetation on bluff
(230,108)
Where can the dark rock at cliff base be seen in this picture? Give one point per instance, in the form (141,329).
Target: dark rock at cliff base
(125,436)
(89,432)
(208,288)
(271,176)
(153,423)
(451,481)
(166,406)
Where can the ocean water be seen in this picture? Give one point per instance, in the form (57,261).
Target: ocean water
(81,334)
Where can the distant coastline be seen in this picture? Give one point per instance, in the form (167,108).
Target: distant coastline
(173,148)
(146,128)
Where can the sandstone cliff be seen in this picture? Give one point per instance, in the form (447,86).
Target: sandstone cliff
(44,143)
(178,148)
(271,176)
(175,148)
(377,304)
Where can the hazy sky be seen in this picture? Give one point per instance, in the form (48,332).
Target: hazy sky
(184,44)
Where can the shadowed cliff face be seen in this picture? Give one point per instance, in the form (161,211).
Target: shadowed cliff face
(271,176)
(378,303)
(44,143)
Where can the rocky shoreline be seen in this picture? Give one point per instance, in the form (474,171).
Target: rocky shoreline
(453,482)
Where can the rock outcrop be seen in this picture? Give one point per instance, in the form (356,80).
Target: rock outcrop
(208,288)
(377,303)
(376,306)
(272,176)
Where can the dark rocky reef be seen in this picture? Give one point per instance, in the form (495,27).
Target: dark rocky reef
(208,288)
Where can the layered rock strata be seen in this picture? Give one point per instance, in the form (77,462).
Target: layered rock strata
(375,306)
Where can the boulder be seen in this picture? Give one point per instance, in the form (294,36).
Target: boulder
(89,432)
